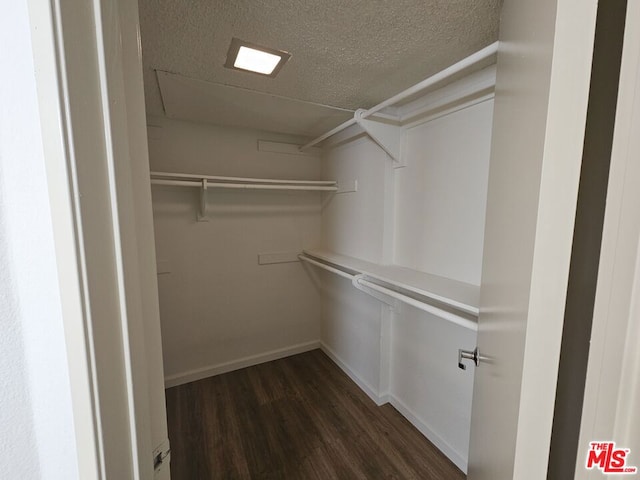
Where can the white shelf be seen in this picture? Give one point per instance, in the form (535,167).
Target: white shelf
(460,296)
(205,182)
(384,135)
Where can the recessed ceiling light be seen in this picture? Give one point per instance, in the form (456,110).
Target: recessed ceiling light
(254,58)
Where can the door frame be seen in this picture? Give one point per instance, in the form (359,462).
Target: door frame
(543,77)
(88,73)
(612,387)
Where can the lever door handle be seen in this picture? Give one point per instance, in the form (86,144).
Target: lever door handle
(468,355)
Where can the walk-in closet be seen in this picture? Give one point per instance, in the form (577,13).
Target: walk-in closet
(319,230)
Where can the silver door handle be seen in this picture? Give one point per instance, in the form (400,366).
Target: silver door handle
(468,355)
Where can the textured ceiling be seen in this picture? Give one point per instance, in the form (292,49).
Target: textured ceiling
(345,53)
(200,101)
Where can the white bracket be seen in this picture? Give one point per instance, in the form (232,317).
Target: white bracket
(377,295)
(202,214)
(387,136)
(347,186)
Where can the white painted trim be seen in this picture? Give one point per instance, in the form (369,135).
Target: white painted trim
(57,138)
(611,389)
(111,73)
(451,453)
(226,367)
(364,386)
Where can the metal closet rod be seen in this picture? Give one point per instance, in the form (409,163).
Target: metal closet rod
(191,176)
(477,57)
(242,186)
(425,307)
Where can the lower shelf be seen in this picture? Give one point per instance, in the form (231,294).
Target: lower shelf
(448,299)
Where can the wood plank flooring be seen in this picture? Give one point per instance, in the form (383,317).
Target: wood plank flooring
(297,418)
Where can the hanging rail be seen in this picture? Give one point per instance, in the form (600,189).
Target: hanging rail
(246,186)
(425,307)
(197,181)
(191,176)
(417,88)
(360,280)
(241,183)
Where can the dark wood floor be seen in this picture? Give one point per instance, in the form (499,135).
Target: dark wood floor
(296,418)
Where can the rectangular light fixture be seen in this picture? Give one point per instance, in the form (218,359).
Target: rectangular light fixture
(256,61)
(250,57)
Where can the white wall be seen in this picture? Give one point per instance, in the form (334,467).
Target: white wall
(36,425)
(445,184)
(351,322)
(425,381)
(353,223)
(436,225)
(218,307)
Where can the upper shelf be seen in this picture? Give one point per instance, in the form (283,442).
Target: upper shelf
(204,182)
(385,128)
(461,296)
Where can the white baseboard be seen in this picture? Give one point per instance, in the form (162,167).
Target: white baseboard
(364,386)
(428,432)
(380,398)
(209,371)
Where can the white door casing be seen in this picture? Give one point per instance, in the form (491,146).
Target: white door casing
(544,65)
(612,389)
(89,79)
(146,345)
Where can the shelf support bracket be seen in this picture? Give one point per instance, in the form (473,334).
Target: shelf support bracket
(377,295)
(202,213)
(387,136)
